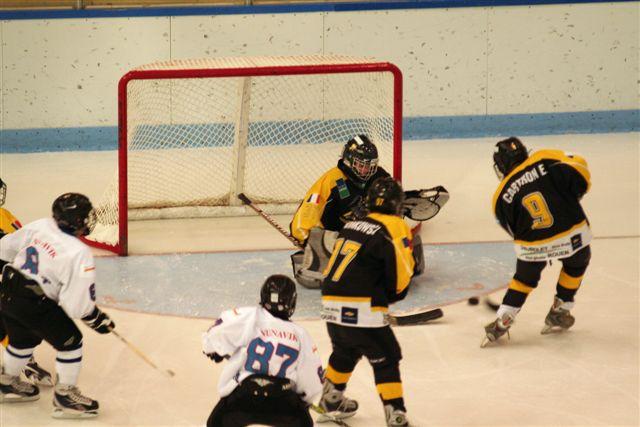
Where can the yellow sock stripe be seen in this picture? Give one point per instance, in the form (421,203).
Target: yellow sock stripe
(389,391)
(5,341)
(337,377)
(569,282)
(517,285)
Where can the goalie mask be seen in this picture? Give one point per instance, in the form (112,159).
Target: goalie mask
(74,214)
(360,156)
(3,192)
(385,196)
(278,296)
(508,154)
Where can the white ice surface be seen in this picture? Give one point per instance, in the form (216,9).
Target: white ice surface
(588,376)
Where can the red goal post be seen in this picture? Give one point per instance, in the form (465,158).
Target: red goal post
(195,133)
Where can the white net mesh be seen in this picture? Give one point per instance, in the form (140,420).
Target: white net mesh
(195,143)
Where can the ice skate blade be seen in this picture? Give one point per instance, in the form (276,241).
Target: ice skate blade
(68,414)
(484,342)
(34,379)
(328,417)
(16,398)
(549,329)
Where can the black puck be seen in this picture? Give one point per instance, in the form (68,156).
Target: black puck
(473,301)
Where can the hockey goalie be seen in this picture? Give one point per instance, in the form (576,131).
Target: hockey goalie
(337,197)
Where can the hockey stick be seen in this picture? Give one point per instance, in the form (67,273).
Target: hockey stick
(413,319)
(133,348)
(327,416)
(491,304)
(270,220)
(394,319)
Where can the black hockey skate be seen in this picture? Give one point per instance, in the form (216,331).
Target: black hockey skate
(395,417)
(497,328)
(334,404)
(68,402)
(36,375)
(558,318)
(13,390)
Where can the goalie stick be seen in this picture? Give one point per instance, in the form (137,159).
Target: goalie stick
(270,220)
(399,319)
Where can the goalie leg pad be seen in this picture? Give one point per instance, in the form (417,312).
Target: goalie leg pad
(308,267)
(301,275)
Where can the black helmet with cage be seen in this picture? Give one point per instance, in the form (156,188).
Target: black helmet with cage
(360,156)
(385,196)
(74,214)
(508,154)
(278,296)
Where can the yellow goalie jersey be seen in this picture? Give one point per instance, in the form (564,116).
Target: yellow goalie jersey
(331,202)
(370,268)
(8,222)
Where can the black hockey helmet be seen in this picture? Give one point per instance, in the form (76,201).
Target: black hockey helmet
(3,192)
(74,214)
(278,296)
(385,196)
(360,156)
(508,154)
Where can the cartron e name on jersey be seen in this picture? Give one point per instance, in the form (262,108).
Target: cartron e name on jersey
(527,178)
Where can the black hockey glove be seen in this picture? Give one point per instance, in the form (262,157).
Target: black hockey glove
(357,210)
(99,321)
(216,357)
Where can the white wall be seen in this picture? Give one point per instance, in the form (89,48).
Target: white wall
(463,61)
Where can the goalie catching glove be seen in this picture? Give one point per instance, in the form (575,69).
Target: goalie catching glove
(421,205)
(99,321)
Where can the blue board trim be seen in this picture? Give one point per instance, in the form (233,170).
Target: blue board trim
(414,128)
(274,8)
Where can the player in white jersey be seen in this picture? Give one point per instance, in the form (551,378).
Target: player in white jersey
(49,279)
(274,372)
(8,224)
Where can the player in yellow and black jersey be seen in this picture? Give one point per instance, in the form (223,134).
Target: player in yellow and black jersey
(370,268)
(334,199)
(538,204)
(9,224)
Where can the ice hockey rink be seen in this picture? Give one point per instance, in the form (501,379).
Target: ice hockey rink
(164,299)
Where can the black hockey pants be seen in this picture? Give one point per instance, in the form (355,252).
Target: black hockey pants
(29,316)
(261,399)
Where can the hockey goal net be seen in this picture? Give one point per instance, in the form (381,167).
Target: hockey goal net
(193,134)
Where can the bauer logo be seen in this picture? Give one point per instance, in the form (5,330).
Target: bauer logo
(349,315)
